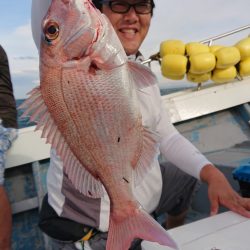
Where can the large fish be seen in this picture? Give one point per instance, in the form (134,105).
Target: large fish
(87,107)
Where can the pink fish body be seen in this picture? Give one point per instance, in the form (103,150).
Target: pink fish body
(87,107)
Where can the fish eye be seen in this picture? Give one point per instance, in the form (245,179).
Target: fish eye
(51,31)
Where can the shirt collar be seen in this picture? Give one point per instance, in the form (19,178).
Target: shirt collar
(138,57)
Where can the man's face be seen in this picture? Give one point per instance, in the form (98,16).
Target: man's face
(130,27)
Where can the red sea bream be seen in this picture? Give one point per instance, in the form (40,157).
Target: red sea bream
(87,108)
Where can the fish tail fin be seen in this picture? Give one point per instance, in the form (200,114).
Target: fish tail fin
(140,225)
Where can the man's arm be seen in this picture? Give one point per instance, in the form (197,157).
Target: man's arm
(8,123)
(5,221)
(7,135)
(183,154)
(8,112)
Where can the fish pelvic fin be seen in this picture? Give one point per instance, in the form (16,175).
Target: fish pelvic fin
(148,154)
(139,225)
(141,75)
(36,110)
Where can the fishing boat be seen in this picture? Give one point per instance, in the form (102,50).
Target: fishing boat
(214,117)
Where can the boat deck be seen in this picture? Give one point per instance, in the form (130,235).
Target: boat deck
(214,119)
(213,233)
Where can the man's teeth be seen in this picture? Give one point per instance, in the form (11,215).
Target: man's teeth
(130,31)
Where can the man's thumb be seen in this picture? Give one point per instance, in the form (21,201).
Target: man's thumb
(214,208)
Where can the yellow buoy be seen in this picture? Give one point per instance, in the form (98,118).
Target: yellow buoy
(198,78)
(174,65)
(202,63)
(224,75)
(227,57)
(244,67)
(196,48)
(172,47)
(244,48)
(214,48)
(177,78)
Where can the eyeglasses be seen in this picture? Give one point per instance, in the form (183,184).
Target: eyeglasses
(122,7)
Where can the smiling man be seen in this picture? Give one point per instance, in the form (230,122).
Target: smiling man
(131,22)
(67,216)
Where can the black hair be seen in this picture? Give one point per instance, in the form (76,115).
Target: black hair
(98,4)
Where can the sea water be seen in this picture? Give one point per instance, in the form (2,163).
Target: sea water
(24,122)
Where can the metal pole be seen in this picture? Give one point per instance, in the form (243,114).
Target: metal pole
(225,34)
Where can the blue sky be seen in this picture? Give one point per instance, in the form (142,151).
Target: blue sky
(190,20)
(15,37)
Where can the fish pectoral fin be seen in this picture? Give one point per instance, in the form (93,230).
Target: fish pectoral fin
(142,76)
(147,155)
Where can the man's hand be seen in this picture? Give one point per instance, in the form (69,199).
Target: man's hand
(220,192)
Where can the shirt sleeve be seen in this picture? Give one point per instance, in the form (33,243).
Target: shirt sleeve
(7,136)
(8,112)
(174,146)
(38,11)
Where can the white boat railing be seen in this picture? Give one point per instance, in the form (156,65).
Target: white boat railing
(29,147)
(190,103)
(182,106)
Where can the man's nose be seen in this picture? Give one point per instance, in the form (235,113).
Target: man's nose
(132,13)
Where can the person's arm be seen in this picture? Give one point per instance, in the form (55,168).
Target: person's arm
(5,221)
(184,155)
(8,132)
(175,147)
(8,112)
(7,135)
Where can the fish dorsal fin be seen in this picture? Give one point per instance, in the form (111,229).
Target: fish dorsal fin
(142,76)
(148,154)
(82,180)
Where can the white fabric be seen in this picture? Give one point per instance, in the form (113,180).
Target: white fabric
(183,154)
(55,182)
(7,136)
(38,11)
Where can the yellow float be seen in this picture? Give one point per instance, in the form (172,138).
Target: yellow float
(244,67)
(224,75)
(244,48)
(227,57)
(174,66)
(172,47)
(202,63)
(196,48)
(198,78)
